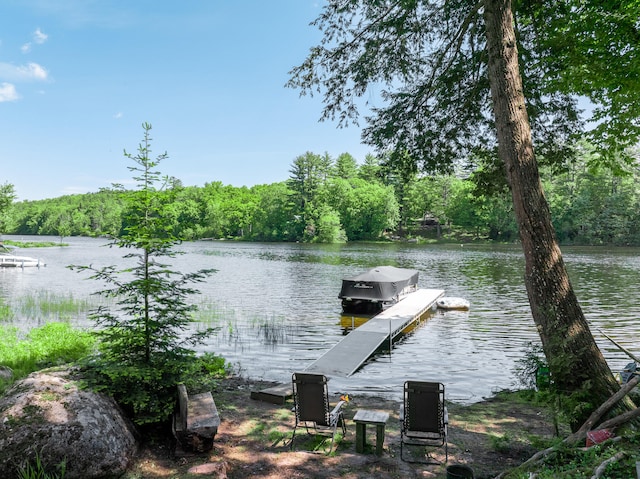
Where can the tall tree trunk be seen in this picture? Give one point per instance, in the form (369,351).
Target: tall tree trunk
(575,361)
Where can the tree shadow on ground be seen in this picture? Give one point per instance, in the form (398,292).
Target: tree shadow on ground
(253,441)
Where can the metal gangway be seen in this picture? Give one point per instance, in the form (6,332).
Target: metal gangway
(346,357)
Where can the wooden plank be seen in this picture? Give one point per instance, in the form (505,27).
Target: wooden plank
(346,357)
(274,395)
(202,414)
(183,401)
(371,417)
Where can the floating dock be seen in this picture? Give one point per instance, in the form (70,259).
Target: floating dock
(346,357)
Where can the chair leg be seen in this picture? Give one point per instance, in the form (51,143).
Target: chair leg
(339,420)
(333,437)
(293,435)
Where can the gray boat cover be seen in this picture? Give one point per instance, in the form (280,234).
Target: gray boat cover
(382,283)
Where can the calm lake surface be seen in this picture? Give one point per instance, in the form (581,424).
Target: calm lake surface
(277,307)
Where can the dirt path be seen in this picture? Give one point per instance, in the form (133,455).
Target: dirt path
(252,441)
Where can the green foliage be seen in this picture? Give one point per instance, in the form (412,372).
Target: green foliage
(345,167)
(44,304)
(274,218)
(308,173)
(591,49)
(500,443)
(90,214)
(5,311)
(532,372)
(592,205)
(58,343)
(589,205)
(32,244)
(366,210)
(7,196)
(147,389)
(48,345)
(328,228)
(145,344)
(568,462)
(527,368)
(37,470)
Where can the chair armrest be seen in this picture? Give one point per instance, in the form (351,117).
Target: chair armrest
(336,409)
(336,414)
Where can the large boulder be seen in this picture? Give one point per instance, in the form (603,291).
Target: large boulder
(46,415)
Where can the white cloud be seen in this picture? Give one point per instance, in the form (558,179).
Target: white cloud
(28,72)
(39,36)
(8,92)
(118,115)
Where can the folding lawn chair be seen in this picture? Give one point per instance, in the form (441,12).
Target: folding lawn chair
(311,401)
(424,418)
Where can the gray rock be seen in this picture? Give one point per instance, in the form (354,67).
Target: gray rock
(46,415)
(6,373)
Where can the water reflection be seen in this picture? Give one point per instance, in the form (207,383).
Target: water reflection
(277,310)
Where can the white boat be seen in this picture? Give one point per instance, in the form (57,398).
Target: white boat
(451,303)
(10,260)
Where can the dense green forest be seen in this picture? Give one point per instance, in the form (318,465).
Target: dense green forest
(337,199)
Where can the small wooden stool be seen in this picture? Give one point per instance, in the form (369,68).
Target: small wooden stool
(364,417)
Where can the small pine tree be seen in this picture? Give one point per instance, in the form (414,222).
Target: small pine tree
(145,342)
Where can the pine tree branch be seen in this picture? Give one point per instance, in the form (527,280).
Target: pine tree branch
(456,40)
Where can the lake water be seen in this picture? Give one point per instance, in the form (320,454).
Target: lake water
(278,310)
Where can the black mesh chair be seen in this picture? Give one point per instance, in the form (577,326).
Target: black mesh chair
(311,401)
(424,419)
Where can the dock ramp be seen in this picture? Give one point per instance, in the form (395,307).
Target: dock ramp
(346,357)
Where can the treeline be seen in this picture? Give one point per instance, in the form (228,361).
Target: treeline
(336,199)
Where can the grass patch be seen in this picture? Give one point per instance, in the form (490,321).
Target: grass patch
(37,470)
(5,311)
(47,305)
(210,314)
(33,244)
(500,443)
(49,345)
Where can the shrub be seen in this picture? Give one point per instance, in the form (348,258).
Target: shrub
(145,344)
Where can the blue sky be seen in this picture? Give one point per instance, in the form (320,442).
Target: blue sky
(79,77)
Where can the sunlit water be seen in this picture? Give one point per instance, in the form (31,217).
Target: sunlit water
(277,308)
